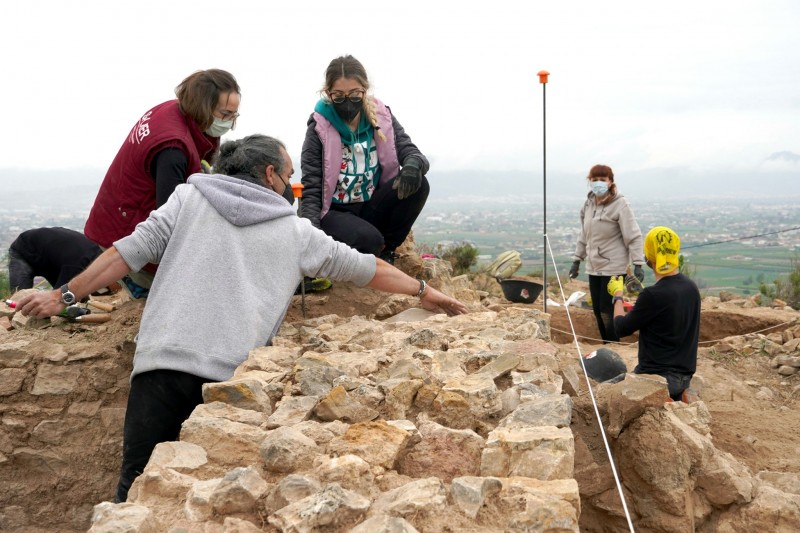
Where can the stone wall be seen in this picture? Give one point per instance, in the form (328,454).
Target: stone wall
(62,405)
(348,423)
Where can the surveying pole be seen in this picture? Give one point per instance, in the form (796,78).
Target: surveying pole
(543,74)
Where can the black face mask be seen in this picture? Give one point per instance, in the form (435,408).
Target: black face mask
(288,194)
(347,110)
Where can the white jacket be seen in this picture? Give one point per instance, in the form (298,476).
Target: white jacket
(610,238)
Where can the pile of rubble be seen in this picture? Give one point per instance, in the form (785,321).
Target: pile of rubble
(419,422)
(447,424)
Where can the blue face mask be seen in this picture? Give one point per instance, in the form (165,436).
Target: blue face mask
(599,188)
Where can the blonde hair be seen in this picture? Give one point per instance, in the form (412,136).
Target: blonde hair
(351,68)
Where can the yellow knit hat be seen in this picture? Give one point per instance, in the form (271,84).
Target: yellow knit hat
(661,248)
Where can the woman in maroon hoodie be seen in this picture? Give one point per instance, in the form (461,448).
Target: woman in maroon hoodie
(165,147)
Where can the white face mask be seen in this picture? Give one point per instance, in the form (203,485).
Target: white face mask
(599,188)
(219,127)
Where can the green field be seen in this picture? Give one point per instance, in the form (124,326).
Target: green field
(739,266)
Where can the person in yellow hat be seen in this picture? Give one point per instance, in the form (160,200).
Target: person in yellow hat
(666,314)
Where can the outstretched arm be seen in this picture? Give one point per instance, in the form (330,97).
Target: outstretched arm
(390,279)
(103,271)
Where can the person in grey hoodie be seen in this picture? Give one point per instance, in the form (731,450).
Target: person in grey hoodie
(231,251)
(610,239)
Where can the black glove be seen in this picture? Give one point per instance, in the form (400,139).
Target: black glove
(410,178)
(573,271)
(638,271)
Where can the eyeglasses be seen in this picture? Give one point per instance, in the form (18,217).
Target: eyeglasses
(228,115)
(354,96)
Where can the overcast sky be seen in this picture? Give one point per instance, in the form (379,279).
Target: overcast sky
(695,86)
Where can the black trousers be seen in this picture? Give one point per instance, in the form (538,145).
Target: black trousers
(159,402)
(603,308)
(382,224)
(20,272)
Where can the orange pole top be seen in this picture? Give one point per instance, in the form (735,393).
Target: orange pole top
(297,190)
(543,76)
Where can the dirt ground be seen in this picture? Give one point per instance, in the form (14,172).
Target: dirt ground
(761,431)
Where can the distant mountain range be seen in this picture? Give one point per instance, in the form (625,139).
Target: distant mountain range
(76,187)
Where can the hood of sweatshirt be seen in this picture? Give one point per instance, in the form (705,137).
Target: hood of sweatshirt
(241,203)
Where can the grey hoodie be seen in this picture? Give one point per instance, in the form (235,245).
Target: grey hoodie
(230,254)
(610,238)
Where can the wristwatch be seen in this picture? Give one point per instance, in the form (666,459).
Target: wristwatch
(616,299)
(67,296)
(422,286)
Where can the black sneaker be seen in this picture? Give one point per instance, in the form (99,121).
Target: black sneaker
(388,256)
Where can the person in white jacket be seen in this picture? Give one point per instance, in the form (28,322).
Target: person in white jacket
(231,251)
(610,239)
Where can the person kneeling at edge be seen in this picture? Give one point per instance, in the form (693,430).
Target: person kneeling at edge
(666,314)
(57,254)
(215,235)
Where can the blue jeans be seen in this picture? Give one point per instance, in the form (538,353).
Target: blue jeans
(677,383)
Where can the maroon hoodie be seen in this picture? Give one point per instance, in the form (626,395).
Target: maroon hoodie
(128,192)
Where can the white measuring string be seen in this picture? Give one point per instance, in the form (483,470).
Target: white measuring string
(589,385)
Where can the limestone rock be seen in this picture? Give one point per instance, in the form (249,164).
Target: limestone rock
(286,449)
(444,453)
(350,471)
(627,400)
(226,443)
(247,391)
(290,489)
(470,492)
(770,510)
(55,379)
(542,453)
(238,491)
(317,380)
(479,391)
(113,518)
(339,405)
(15,354)
(501,365)
(543,411)
(446,366)
(198,500)
(543,378)
(229,412)
(11,380)
(419,496)
(453,410)
(378,443)
(20,321)
(292,410)
(331,508)
(157,484)
(384,524)
(179,456)
(399,394)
